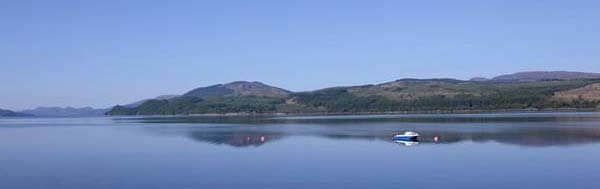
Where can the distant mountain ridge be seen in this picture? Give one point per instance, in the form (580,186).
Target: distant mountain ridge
(525,90)
(546,75)
(65,112)
(9,113)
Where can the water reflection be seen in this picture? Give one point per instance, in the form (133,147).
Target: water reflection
(410,118)
(236,139)
(527,136)
(540,131)
(408,138)
(406,142)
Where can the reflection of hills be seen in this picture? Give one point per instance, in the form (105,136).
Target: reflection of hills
(418,118)
(547,137)
(535,130)
(537,137)
(235,138)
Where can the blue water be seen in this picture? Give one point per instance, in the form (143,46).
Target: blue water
(455,151)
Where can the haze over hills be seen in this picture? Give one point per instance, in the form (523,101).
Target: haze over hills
(65,112)
(548,75)
(539,75)
(525,90)
(80,112)
(84,111)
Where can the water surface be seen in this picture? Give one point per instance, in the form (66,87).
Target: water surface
(543,150)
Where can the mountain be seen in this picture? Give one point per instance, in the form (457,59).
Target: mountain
(65,112)
(239,88)
(553,75)
(8,113)
(404,95)
(239,96)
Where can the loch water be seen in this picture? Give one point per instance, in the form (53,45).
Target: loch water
(512,150)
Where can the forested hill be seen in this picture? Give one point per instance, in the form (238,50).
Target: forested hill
(239,88)
(397,96)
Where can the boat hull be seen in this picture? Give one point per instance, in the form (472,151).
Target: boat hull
(406,138)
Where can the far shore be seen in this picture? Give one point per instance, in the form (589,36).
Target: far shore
(532,110)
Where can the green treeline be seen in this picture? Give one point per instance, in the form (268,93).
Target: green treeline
(196,105)
(461,96)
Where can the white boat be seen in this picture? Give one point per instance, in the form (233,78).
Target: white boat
(407,136)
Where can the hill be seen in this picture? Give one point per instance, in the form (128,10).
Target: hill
(404,95)
(553,75)
(65,112)
(239,88)
(448,95)
(8,113)
(239,96)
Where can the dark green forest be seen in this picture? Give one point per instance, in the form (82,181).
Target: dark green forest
(425,95)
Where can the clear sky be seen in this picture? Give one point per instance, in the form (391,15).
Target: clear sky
(101,53)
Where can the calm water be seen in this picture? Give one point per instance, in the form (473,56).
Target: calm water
(455,151)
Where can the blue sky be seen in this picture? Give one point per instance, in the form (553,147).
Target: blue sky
(102,53)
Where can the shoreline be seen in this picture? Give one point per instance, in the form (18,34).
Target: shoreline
(560,110)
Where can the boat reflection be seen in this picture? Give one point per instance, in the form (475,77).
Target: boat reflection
(406,143)
(408,138)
